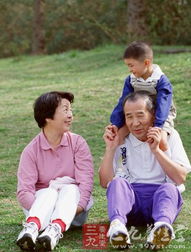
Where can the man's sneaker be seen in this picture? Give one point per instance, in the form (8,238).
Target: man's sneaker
(160,236)
(27,237)
(118,235)
(49,238)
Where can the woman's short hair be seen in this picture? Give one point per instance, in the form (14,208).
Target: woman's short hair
(46,104)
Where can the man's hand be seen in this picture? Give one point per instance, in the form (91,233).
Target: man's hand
(111,137)
(154,136)
(110,131)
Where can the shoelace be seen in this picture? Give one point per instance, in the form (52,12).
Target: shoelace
(114,223)
(30,226)
(54,230)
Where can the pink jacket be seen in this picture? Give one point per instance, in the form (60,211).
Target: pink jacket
(39,164)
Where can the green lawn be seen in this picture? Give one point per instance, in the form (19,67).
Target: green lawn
(96,79)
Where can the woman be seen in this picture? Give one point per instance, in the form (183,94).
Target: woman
(55,175)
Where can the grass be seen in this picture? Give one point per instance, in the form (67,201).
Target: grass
(96,79)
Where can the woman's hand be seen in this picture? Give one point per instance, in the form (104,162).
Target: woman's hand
(79,210)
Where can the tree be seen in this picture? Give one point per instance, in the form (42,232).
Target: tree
(136,16)
(38,46)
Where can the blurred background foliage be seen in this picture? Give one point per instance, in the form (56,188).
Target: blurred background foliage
(46,26)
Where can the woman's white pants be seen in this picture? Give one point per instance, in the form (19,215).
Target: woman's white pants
(51,204)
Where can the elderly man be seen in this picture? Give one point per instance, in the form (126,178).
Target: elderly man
(142,181)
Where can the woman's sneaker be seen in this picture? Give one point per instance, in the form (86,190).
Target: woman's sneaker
(118,235)
(27,237)
(49,238)
(160,236)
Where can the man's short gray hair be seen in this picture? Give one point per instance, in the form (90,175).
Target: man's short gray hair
(150,101)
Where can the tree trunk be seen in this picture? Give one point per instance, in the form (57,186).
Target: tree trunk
(38,46)
(136,14)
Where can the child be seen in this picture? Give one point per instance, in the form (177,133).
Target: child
(145,76)
(55,175)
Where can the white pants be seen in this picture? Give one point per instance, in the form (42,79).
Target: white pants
(51,204)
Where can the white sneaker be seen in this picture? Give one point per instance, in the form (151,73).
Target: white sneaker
(50,237)
(118,235)
(160,236)
(27,237)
